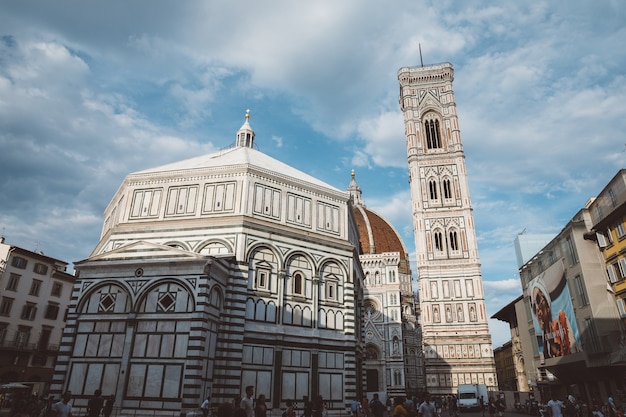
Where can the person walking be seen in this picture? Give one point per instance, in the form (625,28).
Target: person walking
(453,409)
(95,404)
(63,408)
(108,406)
(555,407)
(377,407)
(491,407)
(427,408)
(501,406)
(290,411)
(354,407)
(247,403)
(205,407)
(399,409)
(260,409)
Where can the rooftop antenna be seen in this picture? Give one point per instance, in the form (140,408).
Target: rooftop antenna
(421,60)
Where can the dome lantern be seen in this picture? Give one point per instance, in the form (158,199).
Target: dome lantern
(355,191)
(245,134)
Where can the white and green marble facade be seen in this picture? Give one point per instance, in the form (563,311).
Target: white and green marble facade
(214,273)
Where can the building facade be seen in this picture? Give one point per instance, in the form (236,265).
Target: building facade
(35,296)
(573,321)
(608,215)
(505,367)
(511,372)
(393,364)
(456,340)
(214,273)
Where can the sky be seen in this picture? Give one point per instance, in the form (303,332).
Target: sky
(91,91)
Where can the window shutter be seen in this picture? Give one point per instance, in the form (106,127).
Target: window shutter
(611,272)
(621,307)
(622,267)
(601,240)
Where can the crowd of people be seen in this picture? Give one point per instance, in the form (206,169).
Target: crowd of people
(425,406)
(572,407)
(22,405)
(249,407)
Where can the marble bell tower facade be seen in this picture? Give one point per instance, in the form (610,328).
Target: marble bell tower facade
(456,339)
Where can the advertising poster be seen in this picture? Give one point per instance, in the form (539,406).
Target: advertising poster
(553,314)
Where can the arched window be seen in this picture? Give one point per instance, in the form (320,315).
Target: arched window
(298,283)
(432,189)
(215,298)
(454,241)
(438,241)
(371,352)
(447,189)
(393,299)
(397,378)
(432,134)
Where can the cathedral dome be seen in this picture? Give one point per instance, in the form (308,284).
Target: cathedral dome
(376,235)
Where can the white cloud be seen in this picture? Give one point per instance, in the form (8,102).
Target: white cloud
(278,141)
(503,285)
(384,137)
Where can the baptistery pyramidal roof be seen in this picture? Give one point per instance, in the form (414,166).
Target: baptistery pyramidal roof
(222,188)
(242,154)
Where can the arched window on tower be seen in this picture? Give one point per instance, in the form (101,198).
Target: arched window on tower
(432,190)
(438,241)
(454,241)
(433,140)
(447,189)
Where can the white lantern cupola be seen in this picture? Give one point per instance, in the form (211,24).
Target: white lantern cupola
(355,191)
(245,134)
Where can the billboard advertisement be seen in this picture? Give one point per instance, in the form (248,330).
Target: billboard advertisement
(553,313)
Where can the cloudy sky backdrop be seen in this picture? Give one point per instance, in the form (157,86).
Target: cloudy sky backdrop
(93,90)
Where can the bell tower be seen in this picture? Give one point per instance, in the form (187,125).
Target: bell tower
(456,340)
